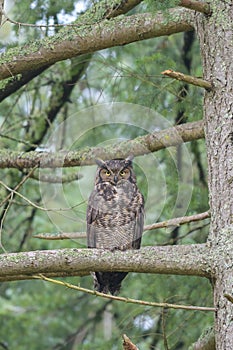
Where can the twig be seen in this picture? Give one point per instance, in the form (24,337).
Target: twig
(60,235)
(178,238)
(165,342)
(127,344)
(163,224)
(178,221)
(27,143)
(5,210)
(188,79)
(126,300)
(198,6)
(17,186)
(33,204)
(21,24)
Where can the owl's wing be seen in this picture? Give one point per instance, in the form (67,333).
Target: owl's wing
(139,223)
(91,216)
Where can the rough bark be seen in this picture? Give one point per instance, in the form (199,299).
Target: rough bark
(193,260)
(199,6)
(216,33)
(139,146)
(90,38)
(205,342)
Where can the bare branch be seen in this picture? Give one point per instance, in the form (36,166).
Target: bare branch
(188,79)
(178,221)
(90,38)
(198,6)
(126,300)
(11,190)
(60,235)
(27,143)
(163,224)
(193,260)
(139,146)
(17,186)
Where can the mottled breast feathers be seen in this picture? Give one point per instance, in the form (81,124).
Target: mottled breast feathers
(115,215)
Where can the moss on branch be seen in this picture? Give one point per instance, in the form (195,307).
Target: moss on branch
(87,38)
(139,146)
(190,260)
(99,11)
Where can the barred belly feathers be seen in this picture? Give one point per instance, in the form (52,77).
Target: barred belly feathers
(115,216)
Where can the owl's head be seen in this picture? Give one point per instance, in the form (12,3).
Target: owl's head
(115,170)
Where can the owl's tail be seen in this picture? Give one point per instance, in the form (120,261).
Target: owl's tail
(108,282)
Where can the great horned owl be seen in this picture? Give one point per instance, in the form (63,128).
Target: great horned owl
(115,216)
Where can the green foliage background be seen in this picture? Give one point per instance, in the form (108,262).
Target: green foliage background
(35,314)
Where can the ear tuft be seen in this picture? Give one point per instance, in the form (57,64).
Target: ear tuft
(129,159)
(100,162)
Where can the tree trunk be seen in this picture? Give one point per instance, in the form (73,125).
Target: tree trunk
(216,41)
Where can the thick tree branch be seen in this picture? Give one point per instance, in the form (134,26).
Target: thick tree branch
(90,38)
(97,12)
(17,82)
(198,6)
(193,260)
(139,146)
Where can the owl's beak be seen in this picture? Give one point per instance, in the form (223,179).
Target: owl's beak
(115,179)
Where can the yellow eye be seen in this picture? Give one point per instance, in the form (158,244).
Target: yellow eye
(122,173)
(107,173)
